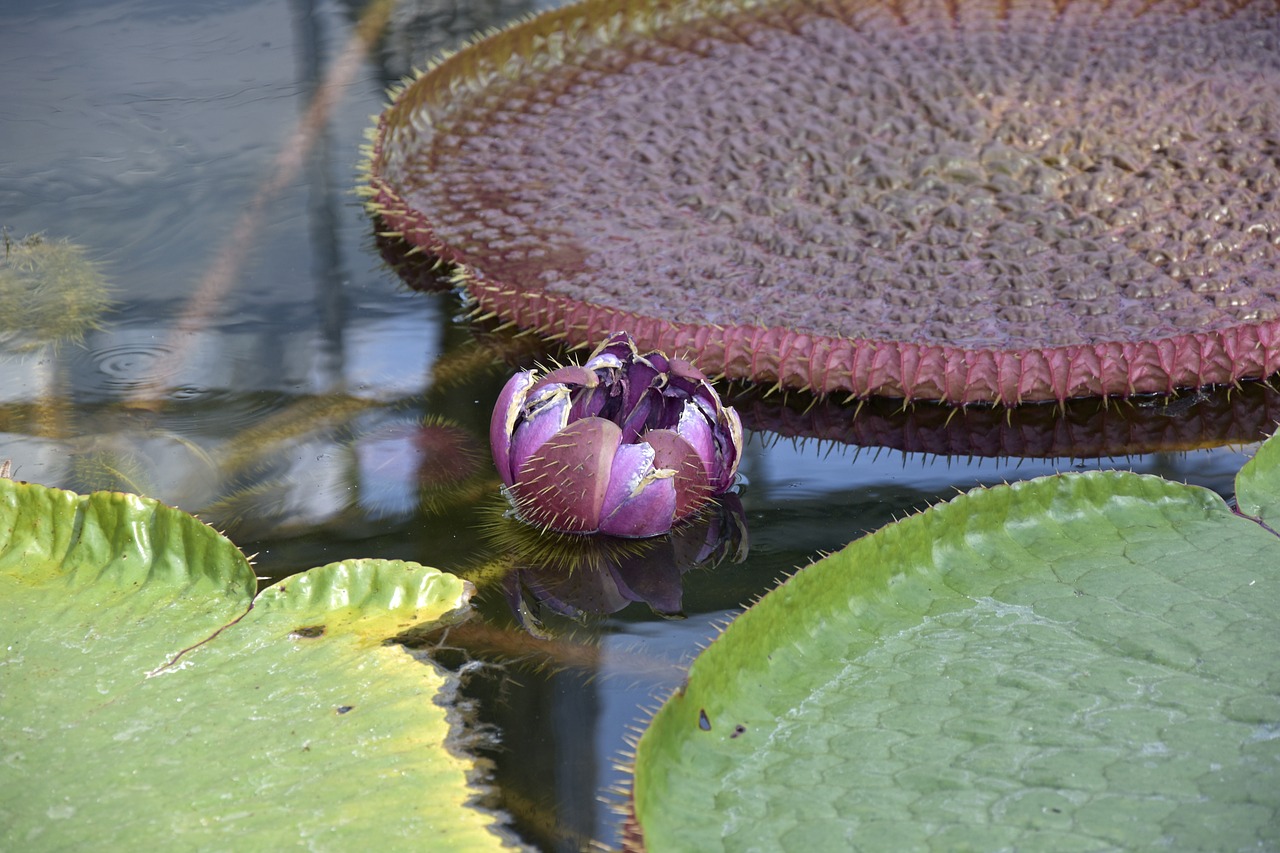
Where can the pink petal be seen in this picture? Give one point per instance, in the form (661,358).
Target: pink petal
(601,360)
(562,486)
(572,374)
(686,371)
(649,511)
(695,428)
(673,453)
(641,500)
(633,422)
(545,414)
(632,463)
(503,423)
(618,348)
(730,433)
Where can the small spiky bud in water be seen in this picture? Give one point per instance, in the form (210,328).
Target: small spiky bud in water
(626,444)
(49,292)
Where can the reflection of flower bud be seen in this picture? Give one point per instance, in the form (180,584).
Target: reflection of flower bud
(602,575)
(724,535)
(626,444)
(654,575)
(407,464)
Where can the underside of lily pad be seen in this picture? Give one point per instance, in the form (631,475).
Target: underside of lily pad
(965,201)
(1079,429)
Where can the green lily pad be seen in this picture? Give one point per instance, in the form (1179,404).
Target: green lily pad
(145,703)
(1078,662)
(1258,485)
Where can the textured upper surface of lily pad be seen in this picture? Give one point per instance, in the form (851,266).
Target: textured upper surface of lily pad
(963,202)
(151,701)
(1076,662)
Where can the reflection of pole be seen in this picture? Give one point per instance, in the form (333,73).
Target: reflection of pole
(322,218)
(52,397)
(548,782)
(225,267)
(575,711)
(422,30)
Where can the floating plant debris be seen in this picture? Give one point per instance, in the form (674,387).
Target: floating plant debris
(972,201)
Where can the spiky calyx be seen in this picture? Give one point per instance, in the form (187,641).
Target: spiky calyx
(962,202)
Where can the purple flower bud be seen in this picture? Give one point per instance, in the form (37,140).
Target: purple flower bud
(626,444)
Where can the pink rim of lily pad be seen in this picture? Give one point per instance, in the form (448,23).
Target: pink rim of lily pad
(425,119)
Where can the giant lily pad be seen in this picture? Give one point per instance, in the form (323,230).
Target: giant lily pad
(144,704)
(1078,662)
(961,201)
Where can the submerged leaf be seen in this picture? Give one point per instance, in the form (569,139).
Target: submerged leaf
(1083,661)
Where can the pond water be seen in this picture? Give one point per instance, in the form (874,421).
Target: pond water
(263,368)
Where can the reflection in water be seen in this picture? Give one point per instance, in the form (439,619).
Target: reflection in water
(326,261)
(1081,429)
(125,365)
(322,88)
(51,293)
(423,29)
(416,465)
(547,763)
(574,576)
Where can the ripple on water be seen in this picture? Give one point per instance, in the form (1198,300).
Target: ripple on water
(141,357)
(130,365)
(220,413)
